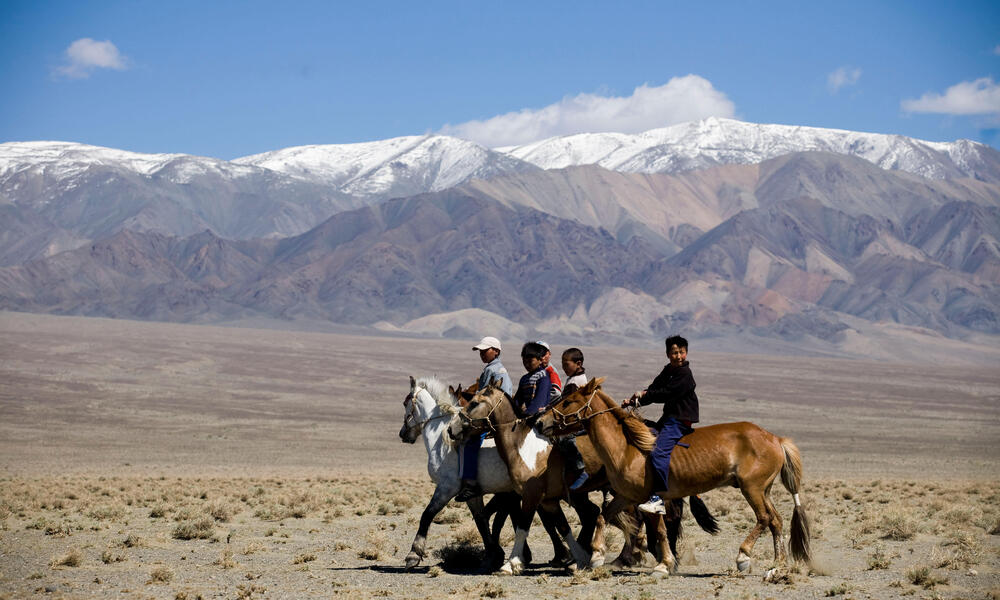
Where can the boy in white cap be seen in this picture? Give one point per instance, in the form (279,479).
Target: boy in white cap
(489,353)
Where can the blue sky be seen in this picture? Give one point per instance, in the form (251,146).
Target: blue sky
(228,79)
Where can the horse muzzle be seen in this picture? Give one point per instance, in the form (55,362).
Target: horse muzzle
(406,435)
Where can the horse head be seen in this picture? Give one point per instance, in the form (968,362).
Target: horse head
(410,430)
(475,416)
(569,413)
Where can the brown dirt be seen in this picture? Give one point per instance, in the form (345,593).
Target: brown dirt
(277,453)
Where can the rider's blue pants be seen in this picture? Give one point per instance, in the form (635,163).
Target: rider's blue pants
(671,431)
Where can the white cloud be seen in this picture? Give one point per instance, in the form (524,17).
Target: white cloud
(997,50)
(85,55)
(841,77)
(681,99)
(979,97)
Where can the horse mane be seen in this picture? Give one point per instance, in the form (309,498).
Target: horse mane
(635,430)
(438,390)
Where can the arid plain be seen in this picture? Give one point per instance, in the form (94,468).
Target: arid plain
(146,460)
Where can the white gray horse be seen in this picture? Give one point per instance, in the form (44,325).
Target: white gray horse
(429,407)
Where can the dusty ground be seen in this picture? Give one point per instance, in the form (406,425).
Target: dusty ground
(276,454)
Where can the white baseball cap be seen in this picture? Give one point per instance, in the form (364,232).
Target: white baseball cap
(486,343)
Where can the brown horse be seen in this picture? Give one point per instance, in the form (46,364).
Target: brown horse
(738,454)
(537,474)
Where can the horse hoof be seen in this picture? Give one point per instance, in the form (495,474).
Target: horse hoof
(506,569)
(597,560)
(661,570)
(412,561)
(743,563)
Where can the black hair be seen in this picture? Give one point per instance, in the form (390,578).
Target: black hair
(573,355)
(533,350)
(676,340)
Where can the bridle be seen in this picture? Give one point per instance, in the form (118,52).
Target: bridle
(410,422)
(572,419)
(483,423)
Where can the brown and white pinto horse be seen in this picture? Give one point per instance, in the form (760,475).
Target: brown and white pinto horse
(741,455)
(537,474)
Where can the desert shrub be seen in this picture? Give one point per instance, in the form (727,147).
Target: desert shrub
(252,548)
(221,511)
(959,515)
(226,559)
(922,576)
(898,525)
(962,550)
(107,512)
(158,512)
(448,517)
(838,590)
(461,556)
(112,556)
(202,529)
(133,541)
(304,558)
(160,575)
(71,559)
(491,589)
(878,559)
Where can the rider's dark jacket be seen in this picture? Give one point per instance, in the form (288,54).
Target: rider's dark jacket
(674,389)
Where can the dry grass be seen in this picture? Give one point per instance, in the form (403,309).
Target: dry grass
(202,529)
(73,558)
(160,575)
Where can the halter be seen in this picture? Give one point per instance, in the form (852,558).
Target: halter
(487,423)
(408,417)
(567,420)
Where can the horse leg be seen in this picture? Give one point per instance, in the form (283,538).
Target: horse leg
(776,525)
(665,538)
(442,495)
(561,556)
(755,497)
(522,523)
(590,520)
(615,513)
(494,553)
(580,556)
(508,503)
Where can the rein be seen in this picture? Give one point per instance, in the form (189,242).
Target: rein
(567,420)
(485,422)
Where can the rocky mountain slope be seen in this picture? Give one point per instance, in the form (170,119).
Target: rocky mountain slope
(808,249)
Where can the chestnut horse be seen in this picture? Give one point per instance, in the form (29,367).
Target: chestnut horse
(738,454)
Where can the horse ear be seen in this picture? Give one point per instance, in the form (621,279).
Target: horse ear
(495,381)
(593,384)
(472,389)
(453,391)
(413,382)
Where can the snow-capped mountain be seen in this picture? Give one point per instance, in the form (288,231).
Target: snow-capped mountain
(715,141)
(396,167)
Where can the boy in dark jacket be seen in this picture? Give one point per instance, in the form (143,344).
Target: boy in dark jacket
(674,389)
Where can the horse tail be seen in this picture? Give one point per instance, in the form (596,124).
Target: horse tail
(702,515)
(791,478)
